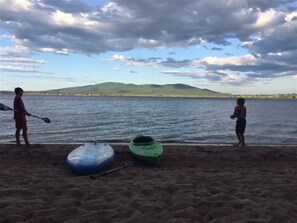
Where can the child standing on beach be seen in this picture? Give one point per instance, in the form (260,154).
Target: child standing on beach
(240,115)
(20,116)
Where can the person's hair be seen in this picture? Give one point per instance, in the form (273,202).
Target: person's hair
(18,90)
(240,101)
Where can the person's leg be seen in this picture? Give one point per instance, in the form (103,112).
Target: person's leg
(242,143)
(242,132)
(242,139)
(25,135)
(240,128)
(17,136)
(239,138)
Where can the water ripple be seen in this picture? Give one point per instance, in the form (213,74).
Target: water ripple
(80,119)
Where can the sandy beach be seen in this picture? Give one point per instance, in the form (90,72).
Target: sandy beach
(193,184)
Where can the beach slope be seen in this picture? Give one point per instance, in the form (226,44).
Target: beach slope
(192,184)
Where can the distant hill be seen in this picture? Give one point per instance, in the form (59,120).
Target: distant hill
(149,90)
(153,90)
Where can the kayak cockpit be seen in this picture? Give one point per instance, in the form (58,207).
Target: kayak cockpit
(143,140)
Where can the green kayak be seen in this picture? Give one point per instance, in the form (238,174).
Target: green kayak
(146,149)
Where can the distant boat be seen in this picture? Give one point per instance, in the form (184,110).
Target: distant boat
(146,149)
(90,158)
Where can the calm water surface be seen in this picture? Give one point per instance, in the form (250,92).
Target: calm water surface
(118,119)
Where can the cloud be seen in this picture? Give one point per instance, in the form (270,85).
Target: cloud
(151,62)
(212,76)
(265,28)
(230,70)
(216,48)
(122,25)
(22,69)
(18,59)
(21,60)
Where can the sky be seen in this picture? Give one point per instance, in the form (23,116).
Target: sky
(229,46)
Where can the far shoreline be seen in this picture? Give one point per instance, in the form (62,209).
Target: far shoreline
(256,96)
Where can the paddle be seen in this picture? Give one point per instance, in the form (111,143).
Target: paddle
(127,164)
(6,108)
(47,120)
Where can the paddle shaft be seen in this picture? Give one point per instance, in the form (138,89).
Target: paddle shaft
(107,172)
(35,116)
(7,108)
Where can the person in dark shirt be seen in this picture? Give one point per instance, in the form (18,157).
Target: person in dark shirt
(240,115)
(20,117)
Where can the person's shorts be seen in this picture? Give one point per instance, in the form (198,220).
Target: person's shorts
(20,122)
(240,125)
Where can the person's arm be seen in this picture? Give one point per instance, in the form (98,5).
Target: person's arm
(234,114)
(27,113)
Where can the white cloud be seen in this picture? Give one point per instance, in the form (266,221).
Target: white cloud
(213,76)
(62,18)
(19,5)
(21,69)
(268,18)
(52,50)
(236,61)
(147,43)
(113,9)
(291,16)
(17,60)
(267,29)
(125,25)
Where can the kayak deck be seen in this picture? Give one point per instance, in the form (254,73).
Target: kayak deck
(90,158)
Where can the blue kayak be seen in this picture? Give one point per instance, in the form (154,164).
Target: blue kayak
(90,158)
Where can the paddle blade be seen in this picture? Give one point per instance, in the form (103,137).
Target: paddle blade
(47,120)
(4,107)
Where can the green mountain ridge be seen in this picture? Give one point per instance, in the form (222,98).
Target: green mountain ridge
(149,90)
(154,90)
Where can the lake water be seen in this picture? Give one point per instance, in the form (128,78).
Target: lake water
(117,119)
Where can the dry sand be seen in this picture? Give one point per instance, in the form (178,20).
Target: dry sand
(192,184)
